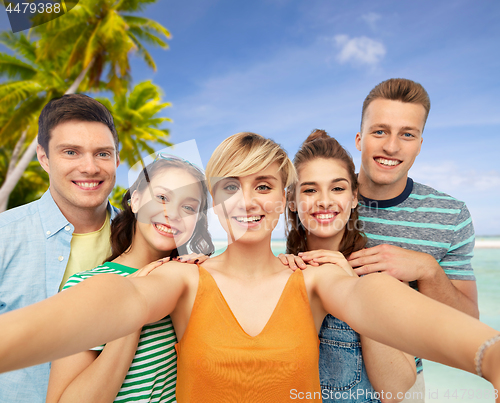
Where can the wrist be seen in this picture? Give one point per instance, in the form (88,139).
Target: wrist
(489,364)
(429,268)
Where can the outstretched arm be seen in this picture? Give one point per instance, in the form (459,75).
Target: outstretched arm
(387,311)
(96,376)
(407,265)
(388,369)
(73,320)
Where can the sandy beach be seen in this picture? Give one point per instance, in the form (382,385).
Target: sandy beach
(487,243)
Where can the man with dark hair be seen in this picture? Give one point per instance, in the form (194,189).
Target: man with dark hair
(415,233)
(67,230)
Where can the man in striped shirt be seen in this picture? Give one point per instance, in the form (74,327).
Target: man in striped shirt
(416,234)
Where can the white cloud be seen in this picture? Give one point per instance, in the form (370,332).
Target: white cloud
(371,19)
(448,177)
(359,50)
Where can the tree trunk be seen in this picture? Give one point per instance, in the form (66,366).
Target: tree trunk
(11,181)
(13,177)
(16,152)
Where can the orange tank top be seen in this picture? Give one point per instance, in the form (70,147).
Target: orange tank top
(219,362)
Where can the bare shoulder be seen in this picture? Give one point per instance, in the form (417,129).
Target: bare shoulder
(326,273)
(326,269)
(185,272)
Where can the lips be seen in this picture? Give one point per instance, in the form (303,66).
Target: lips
(325,216)
(88,185)
(249,220)
(387,162)
(165,229)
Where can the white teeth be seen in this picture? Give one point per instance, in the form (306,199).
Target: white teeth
(87,184)
(387,162)
(325,216)
(248,219)
(165,229)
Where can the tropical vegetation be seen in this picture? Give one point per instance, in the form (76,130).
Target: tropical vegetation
(87,50)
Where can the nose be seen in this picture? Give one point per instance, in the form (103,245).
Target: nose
(391,144)
(171,212)
(324,201)
(89,165)
(246,200)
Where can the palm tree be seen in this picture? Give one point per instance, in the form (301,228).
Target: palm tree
(34,181)
(137,122)
(30,85)
(102,35)
(116,196)
(94,37)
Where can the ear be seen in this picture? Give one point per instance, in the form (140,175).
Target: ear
(292,207)
(354,200)
(117,159)
(43,159)
(134,202)
(420,147)
(357,140)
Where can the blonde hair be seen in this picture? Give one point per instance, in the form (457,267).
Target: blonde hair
(245,154)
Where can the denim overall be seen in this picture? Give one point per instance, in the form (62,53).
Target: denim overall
(342,372)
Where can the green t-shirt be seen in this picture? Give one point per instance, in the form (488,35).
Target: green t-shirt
(153,373)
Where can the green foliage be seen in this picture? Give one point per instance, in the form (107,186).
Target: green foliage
(116,196)
(95,39)
(103,36)
(31,186)
(137,121)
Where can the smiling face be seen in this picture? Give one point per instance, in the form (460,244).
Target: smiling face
(324,199)
(167,210)
(389,142)
(249,207)
(81,163)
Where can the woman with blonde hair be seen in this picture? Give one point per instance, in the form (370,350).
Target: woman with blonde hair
(247,325)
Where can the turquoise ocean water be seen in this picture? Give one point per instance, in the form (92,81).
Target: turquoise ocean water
(450,385)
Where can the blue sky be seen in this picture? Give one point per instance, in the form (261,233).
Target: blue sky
(281,68)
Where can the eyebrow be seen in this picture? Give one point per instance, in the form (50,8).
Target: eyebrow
(77,147)
(266,178)
(411,128)
(315,183)
(385,126)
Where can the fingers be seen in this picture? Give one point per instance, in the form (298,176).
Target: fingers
(364,252)
(369,268)
(300,263)
(329,259)
(292,261)
(192,258)
(283,259)
(202,258)
(149,268)
(317,257)
(314,254)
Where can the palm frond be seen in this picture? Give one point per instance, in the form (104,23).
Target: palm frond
(14,68)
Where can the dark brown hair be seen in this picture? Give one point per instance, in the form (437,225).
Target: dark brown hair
(398,89)
(77,107)
(320,145)
(123,225)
